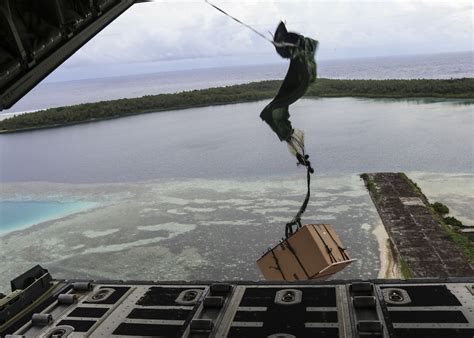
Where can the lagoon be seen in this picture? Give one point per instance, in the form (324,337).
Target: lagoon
(343,135)
(16,215)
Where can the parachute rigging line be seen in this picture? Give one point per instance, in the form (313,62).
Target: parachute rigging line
(301,73)
(276,44)
(303,160)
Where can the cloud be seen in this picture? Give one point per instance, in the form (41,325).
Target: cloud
(165,30)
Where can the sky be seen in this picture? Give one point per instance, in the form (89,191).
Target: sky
(175,35)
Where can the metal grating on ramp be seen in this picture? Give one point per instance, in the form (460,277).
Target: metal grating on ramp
(378,308)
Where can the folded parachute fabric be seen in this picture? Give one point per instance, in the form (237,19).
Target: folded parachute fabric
(301,73)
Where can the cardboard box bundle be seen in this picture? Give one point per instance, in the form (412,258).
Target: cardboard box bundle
(313,252)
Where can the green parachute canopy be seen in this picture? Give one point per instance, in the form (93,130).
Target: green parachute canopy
(301,73)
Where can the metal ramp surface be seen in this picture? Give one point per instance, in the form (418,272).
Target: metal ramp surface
(377,308)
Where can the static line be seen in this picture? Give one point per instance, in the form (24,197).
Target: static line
(276,44)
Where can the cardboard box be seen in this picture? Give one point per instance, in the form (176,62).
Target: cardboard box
(313,252)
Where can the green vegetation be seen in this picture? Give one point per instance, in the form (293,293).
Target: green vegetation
(462,241)
(416,189)
(451,225)
(370,185)
(453,221)
(440,208)
(88,112)
(454,88)
(404,268)
(447,223)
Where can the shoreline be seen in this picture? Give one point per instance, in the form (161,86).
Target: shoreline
(404,209)
(151,111)
(457,89)
(389,267)
(93,120)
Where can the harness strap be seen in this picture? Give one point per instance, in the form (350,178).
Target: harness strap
(297,258)
(303,160)
(328,249)
(278,267)
(341,249)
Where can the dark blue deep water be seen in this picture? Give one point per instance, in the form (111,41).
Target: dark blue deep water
(53,94)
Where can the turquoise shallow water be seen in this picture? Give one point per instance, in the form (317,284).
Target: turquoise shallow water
(15,215)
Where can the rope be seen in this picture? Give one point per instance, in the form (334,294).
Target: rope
(303,160)
(276,44)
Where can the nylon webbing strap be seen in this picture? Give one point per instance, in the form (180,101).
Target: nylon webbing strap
(303,160)
(278,267)
(341,249)
(328,249)
(297,258)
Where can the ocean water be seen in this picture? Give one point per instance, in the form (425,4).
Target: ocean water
(16,215)
(53,94)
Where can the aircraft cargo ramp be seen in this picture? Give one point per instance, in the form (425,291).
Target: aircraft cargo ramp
(42,306)
(36,36)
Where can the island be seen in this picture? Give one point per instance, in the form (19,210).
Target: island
(462,88)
